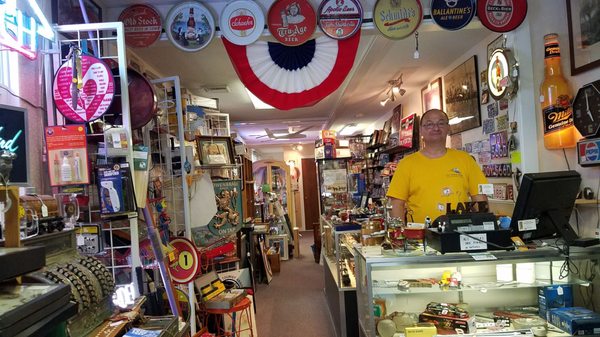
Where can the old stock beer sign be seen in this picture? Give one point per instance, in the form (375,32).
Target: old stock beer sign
(397,19)
(142,25)
(242,22)
(292,22)
(340,19)
(501,15)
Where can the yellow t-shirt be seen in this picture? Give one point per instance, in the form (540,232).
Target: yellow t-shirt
(426,185)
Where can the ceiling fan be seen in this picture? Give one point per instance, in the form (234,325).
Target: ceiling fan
(284,134)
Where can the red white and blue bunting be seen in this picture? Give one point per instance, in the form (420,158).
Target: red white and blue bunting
(293,77)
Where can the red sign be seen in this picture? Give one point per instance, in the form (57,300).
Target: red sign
(67,152)
(92,99)
(407,126)
(185,263)
(340,19)
(292,22)
(142,25)
(501,15)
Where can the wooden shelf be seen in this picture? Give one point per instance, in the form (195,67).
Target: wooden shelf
(587,202)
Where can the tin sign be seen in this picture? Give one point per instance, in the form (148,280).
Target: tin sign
(184,264)
(190,26)
(340,19)
(95,96)
(242,22)
(501,16)
(397,19)
(292,22)
(143,25)
(452,14)
(588,152)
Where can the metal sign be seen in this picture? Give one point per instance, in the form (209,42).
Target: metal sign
(143,25)
(452,15)
(186,264)
(340,19)
(190,26)
(242,22)
(397,19)
(292,22)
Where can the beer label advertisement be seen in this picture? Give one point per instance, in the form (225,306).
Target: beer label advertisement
(242,22)
(558,116)
(340,19)
(190,26)
(228,197)
(501,16)
(143,25)
(452,15)
(397,19)
(292,22)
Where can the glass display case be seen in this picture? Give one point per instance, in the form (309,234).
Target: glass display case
(333,185)
(469,293)
(273,176)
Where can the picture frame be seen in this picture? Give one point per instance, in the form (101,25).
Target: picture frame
(215,150)
(431,95)
(461,89)
(280,241)
(584,47)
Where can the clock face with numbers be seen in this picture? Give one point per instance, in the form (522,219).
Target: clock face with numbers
(586,109)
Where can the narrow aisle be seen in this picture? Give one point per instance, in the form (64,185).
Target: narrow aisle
(293,304)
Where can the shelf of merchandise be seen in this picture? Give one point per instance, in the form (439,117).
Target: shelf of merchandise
(480,288)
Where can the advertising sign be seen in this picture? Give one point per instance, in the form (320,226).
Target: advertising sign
(452,15)
(340,19)
(190,26)
(397,19)
(143,25)
(501,16)
(186,264)
(292,22)
(588,152)
(67,155)
(13,139)
(242,22)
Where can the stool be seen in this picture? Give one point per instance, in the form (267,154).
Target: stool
(243,307)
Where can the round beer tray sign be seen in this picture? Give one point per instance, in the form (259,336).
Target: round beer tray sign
(397,19)
(143,25)
(185,264)
(190,26)
(452,14)
(292,22)
(85,104)
(501,16)
(242,22)
(340,19)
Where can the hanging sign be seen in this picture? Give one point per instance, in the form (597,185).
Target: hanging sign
(292,22)
(228,219)
(13,123)
(67,155)
(397,19)
(452,15)
(190,26)
(20,27)
(340,19)
(143,25)
(242,22)
(95,96)
(501,16)
(184,264)
(502,74)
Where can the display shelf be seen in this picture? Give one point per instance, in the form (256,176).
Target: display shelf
(587,202)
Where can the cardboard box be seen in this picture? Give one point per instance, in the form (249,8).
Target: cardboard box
(449,325)
(554,296)
(576,321)
(275,262)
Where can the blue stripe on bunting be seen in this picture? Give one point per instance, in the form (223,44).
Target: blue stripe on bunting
(292,58)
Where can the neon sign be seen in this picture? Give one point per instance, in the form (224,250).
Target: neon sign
(13,138)
(19,31)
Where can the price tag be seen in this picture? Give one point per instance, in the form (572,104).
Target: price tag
(559,291)
(483,256)
(44,211)
(116,138)
(80,240)
(470,242)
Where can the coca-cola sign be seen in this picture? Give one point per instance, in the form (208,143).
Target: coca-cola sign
(340,19)
(143,25)
(242,22)
(292,22)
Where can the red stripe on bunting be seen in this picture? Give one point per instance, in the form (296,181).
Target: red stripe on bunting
(286,101)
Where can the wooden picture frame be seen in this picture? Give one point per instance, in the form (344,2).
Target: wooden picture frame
(462,96)
(584,47)
(431,95)
(215,151)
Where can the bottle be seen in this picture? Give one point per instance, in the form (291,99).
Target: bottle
(56,168)
(555,99)
(77,167)
(191,22)
(65,170)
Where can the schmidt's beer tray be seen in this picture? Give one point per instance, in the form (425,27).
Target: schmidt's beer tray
(588,152)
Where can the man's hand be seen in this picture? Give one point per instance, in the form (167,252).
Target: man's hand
(398,208)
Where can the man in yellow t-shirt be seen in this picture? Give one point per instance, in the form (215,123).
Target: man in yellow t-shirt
(425,181)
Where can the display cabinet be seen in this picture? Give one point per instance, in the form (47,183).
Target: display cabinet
(484,285)
(274,176)
(333,184)
(340,284)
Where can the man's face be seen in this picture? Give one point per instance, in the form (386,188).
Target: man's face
(434,126)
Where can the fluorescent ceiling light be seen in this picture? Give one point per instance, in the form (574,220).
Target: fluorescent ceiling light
(457,120)
(348,129)
(258,104)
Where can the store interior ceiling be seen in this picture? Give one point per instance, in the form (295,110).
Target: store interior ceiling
(209,73)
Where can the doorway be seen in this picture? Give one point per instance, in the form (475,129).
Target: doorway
(311,194)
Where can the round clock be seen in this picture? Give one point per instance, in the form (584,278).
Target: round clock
(502,74)
(586,109)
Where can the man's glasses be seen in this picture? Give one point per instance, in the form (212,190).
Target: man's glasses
(430,125)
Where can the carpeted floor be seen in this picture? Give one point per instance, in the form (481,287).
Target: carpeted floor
(293,304)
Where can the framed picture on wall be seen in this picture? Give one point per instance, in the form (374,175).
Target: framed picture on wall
(431,95)
(584,40)
(215,150)
(462,96)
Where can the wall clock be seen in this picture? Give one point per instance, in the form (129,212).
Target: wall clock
(586,107)
(502,74)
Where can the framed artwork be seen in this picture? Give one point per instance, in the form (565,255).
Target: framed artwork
(280,242)
(431,95)
(584,40)
(462,96)
(228,219)
(215,150)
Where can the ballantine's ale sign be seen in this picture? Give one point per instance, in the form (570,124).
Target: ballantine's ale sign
(21,25)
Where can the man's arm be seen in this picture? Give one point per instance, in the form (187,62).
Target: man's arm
(398,208)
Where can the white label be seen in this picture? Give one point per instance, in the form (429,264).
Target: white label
(559,291)
(217,159)
(80,240)
(527,225)
(488,225)
(469,243)
(44,211)
(486,188)
(483,256)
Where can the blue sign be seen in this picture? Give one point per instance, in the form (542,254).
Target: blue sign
(452,14)
(14,139)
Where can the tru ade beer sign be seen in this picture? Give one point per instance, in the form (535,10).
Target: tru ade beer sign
(21,22)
